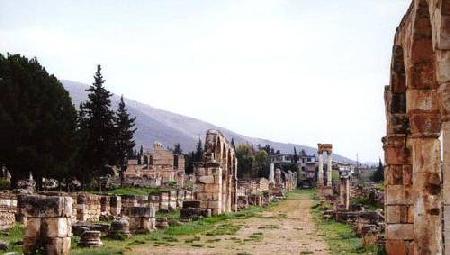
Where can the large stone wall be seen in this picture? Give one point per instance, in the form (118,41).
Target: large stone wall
(216,175)
(8,210)
(418,110)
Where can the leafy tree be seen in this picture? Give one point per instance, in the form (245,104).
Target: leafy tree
(378,175)
(125,129)
(98,120)
(262,163)
(37,121)
(246,158)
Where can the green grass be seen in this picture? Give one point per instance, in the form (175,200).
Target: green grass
(169,236)
(12,236)
(341,239)
(132,191)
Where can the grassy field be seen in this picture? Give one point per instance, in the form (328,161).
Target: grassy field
(209,226)
(132,191)
(340,237)
(14,237)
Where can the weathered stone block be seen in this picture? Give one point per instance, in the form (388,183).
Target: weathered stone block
(33,228)
(395,175)
(395,195)
(399,214)
(42,206)
(206,179)
(400,232)
(191,204)
(56,227)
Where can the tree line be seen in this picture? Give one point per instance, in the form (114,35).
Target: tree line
(41,131)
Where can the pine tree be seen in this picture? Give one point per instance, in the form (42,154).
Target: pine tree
(232,142)
(177,149)
(378,175)
(125,129)
(101,132)
(295,155)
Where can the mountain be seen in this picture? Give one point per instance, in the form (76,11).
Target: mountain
(170,128)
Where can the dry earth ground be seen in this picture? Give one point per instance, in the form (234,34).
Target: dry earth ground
(287,228)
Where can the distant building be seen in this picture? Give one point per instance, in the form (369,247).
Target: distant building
(160,165)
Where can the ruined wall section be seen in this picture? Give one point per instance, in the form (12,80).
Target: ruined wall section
(417,107)
(216,184)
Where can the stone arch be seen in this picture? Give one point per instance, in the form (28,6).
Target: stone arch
(412,143)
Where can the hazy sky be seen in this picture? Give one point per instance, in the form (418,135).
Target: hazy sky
(296,71)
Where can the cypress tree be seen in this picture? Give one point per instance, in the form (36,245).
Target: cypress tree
(125,129)
(101,132)
(199,152)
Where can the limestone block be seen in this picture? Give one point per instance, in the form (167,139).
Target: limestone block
(399,247)
(42,206)
(191,204)
(212,187)
(58,245)
(425,123)
(395,195)
(443,66)
(399,214)
(56,227)
(394,175)
(396,156)
(214,204)
(400,231)
(33,228)
(206,179)
(425,100)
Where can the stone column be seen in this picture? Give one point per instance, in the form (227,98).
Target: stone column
(446,173)
(342,191)
(330,170)
(426,159)
(115,205)
(320,173)
(49,224)
(443,78)
(347,193)
(272,173)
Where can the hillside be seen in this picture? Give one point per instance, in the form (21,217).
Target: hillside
(170,128)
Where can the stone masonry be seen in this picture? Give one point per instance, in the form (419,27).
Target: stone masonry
(49,224)
(216,184)
(418,112)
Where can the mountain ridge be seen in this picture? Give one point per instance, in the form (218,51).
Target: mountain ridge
(168,128)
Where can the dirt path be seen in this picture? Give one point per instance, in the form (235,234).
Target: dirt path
(287,228)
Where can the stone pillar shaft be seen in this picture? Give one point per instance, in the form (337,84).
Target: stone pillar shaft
(330,170)
(347,193)
(320,173)
(427,202)
(399,205)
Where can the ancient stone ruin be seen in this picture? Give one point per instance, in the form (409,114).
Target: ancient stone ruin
(216,184)
(418,112)
(326,188)
(49,224)
(159,167)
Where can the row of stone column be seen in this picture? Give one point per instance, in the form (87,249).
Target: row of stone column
(325,148)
